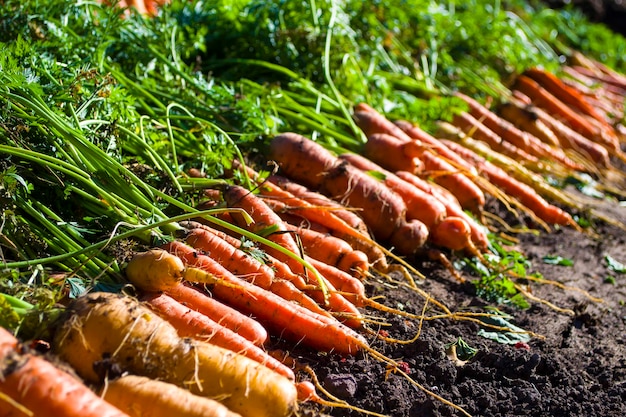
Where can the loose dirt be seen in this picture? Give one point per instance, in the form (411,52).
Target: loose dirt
(575,366)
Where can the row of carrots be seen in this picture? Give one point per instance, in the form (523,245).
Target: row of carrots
(206,304)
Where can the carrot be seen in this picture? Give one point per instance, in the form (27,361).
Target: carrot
(526,118)
(156,270)
(139,396)
(453,207)
(287,319)
(116,330)
(570,139)
(190,323)
(475,128)
(427,141)
(392,153)
(565,93)
(232,258)
(264,217)
(340,280)
(332,250)
(226,316)
(316,199)
(382,210)
(525,194)
(372,122)
(307,170)
(517,137)
(420,205)
(37,387)
(544,99)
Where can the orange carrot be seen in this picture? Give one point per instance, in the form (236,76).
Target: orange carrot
(392,153)
(453,208)
(570,139)
(226,316)
(420,205)
(232,258)
(37,387)
(476,129)
(565,93)
(526,118)
(373,122)
(190,323)
(544,99)
(319,200)
(264,217)
(426,141)
(340,280)
(332,250)
(382,210)
(287,319)
(309,170)
(517,137)
(525,194)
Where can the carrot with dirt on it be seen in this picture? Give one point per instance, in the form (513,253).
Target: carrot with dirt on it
(139,396)
(190,323)
(383,211)
(155,270)
(287,319)
(105,332)
(33,386)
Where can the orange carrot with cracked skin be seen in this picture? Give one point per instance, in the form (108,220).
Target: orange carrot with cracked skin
(36,387)
(287,319)
(524,193)
(382,210)
(544,99)
(452,233)
(190,323)
(517,137)
(384,151)
(421,206)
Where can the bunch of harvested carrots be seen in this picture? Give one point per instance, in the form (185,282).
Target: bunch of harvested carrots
(207,301)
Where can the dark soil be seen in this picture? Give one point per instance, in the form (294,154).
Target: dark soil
(576,366)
